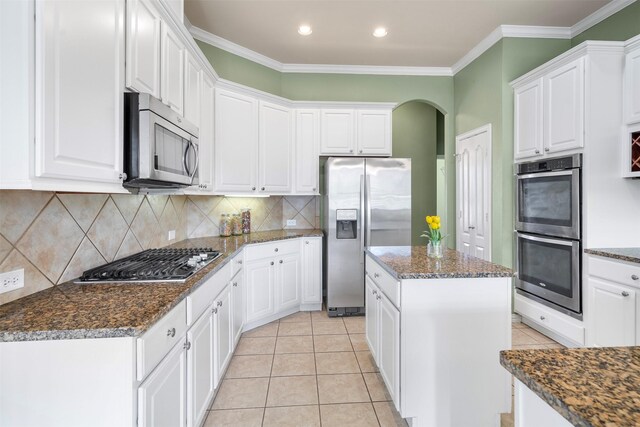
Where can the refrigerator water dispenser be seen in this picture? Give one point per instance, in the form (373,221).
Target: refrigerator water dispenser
(346,223)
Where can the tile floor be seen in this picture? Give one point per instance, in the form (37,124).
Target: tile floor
(310,370)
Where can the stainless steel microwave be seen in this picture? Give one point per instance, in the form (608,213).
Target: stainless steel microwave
(160,146)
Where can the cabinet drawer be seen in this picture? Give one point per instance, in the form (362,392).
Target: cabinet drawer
(268,250)
(550,319)
(387,283)
(202,297)
(157,341)
(616,271)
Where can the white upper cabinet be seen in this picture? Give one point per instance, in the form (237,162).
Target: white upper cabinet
(528,120)
(374,132)
(564,107)
(276,148)
(143,47)
(307,148)
(338,133)
(172,70)
(632,84)
(236,142)
(79,84)
(205,138)
(192,89)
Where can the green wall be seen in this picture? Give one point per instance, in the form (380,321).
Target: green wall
(414,136)
(618,27)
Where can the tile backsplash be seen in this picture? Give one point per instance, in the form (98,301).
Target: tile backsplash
(54,237)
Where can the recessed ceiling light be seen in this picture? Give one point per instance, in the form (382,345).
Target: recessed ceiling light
(304,30)
(380,32)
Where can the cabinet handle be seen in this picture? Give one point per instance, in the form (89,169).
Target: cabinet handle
(471,227)
(276,249)
(542,317)
(171,332)
(262,189)
(214,310)
(375,292)
(360,151)
(219,303)
(634,277)
(280,261)
(314,189)
(179,119)
(122,176)
(306,242)
(537,151)
(351,151)
(625,293)
(271,262)
(376,275)
(546,149)
(239,261)
(253,188)
(235,284)
(378,297)
(187,345)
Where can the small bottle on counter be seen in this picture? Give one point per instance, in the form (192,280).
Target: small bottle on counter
(246,221)
(225,226)
(237,225)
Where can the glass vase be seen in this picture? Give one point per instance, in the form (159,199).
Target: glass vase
(434,250)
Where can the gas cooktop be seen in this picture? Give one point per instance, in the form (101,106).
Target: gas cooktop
(152,265)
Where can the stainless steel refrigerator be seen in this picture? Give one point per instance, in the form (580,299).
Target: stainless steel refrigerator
(367,203)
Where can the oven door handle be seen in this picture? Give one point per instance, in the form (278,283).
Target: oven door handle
(546,174)
(545,240)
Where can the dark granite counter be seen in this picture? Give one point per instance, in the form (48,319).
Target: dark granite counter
(411,262)
(587,386)
(100,310)
(622,254)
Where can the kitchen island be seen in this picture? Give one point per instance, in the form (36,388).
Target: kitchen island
(435,328)
(581,387)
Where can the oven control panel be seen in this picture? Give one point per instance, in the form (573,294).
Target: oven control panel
(546,165)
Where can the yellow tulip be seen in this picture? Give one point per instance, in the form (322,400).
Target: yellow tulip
(429,220)
(435,226)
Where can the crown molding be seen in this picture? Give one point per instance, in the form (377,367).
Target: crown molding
(600,15)
(367,69)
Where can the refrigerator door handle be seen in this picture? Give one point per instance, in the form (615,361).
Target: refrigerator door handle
(367,186)
(362,224)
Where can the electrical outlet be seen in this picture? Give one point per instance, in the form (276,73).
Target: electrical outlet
(291,222)
(11,280)
(172,235)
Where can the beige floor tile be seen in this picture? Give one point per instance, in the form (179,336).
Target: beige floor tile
(329,328)
(343,388)
(506,420)
(293,364)
(537,336)
(366,362)
(250,366)
(235,418)
(388,416)
(292,416)
(263,345)
(331,343)
(355,324)
(268,330)
(301,316)
(300,344)
(337,363)
(294,328)
(352,415)
(242,393)
(359,342)
(377,388)
(321,316)
(290,391)
(518,325)
(519,337)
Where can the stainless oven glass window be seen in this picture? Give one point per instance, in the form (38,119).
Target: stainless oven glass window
(170,152)
(546,200)
(547,265)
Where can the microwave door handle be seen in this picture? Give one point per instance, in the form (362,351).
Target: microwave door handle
(184,158)
(195,168)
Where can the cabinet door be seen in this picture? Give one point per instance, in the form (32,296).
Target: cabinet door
(162,397)
(374,132)
(528,120)
(338,134)
(143,47)
(259,287)
(237,298)
(222,333)
(236,142)
(307,148)
(564,108)
(288,282)
(79,84)
(371,312)
(613,314)
(389,348)
(172,74)
(312,271)
(205,139)
(632,86)
(200,372)
(276,149)
(192,89)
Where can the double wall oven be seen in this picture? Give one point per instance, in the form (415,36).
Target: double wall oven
(548,232)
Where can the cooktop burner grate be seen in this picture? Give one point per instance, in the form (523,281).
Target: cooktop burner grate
(153,265)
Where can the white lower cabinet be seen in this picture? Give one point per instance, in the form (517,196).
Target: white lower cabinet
(200,369)
(260,288)
(312,273)
(237,300)
(162,396)
(287,273)
(223,345)
(372,314)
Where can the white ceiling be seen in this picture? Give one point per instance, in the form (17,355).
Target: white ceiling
(423,33)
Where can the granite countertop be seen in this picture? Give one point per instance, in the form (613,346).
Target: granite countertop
(411,262)
(101,310)
(623,254)
(587,386)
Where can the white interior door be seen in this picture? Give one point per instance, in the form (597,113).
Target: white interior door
(473,192)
